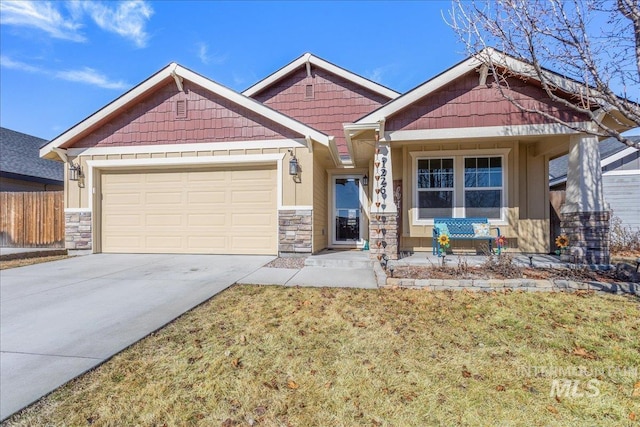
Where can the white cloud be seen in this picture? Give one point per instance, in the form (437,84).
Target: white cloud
(85,75)
(7,62)
(376,74)
(127,19)
(90,76)
(43,15)
(206,57)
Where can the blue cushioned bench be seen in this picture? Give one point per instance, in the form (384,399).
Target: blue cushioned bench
(461,229)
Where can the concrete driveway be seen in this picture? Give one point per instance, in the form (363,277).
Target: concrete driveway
(60,319)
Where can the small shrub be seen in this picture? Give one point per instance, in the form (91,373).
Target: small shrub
(502,265)
(623,238)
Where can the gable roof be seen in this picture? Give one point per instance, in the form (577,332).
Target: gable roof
(177,73)
(311,59)
(19,155)
(610,150)
(487,55)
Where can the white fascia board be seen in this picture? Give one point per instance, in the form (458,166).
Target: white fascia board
(617,156)
(421,91)
(108,109)
(320,63)
(479,132)
(180,148)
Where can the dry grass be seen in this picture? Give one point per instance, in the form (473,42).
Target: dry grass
(14,263)
(275,356)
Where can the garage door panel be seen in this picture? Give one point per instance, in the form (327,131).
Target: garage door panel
(190,211)
(123,220)
(164,219)
(206,197)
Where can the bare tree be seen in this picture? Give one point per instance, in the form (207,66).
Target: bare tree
(593,46)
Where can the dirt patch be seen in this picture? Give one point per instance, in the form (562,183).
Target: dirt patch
(5,265)
(287,262)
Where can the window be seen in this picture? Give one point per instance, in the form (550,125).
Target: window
(460,186)
(483,186)
(435,188)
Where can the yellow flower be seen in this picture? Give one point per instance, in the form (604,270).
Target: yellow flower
(443,240)
(562,241)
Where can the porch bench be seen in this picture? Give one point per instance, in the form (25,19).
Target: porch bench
(461,229)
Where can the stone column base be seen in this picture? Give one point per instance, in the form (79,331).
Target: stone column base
(78,232)
(589,238)
(294,231)
(383,236)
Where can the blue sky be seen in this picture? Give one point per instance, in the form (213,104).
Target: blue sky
(61,61)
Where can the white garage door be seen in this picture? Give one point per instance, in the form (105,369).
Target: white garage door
(190,211)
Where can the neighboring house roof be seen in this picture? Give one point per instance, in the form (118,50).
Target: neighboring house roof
(310,59)
(610,150)
(19,158)
(159,79)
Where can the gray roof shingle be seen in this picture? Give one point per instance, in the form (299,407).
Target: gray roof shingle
(20,155)
(608,147)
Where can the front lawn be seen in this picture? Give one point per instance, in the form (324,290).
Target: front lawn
(275,356)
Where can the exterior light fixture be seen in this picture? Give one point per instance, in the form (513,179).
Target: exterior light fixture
(365,180)
(75,172)
(293,164)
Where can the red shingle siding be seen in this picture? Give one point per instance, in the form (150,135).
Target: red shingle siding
(335,101)
(208,118)
(464,103)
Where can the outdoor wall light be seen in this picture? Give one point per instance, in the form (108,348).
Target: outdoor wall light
(293,164)
(75,172)
(365,180)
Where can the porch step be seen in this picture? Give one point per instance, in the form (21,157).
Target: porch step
(340,259)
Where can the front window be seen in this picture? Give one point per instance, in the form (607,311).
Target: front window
(435,188)
(483,186)
(460,186)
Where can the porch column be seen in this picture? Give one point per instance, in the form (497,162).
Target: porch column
(383,229)
(585,214)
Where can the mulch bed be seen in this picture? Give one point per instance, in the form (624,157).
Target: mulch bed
(579,274)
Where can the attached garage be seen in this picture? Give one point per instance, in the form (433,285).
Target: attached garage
(204,210)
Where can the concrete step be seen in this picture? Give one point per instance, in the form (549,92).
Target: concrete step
(340,259)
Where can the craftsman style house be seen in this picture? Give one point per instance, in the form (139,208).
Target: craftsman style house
(316,157)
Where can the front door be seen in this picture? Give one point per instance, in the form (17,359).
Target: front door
(347,210)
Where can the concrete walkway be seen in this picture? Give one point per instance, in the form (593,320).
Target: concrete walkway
(62,318)
(336,269)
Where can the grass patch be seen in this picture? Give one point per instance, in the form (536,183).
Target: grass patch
(14,263)
(275,356)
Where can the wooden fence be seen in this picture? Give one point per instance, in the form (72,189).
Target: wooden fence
(32,219)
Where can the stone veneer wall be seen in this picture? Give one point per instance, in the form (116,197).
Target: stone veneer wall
(294,231)
(383,236)
(589,239)
(78,234)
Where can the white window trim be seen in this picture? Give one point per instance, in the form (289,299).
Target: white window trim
(458,173)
